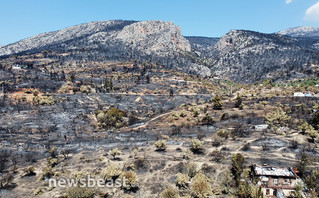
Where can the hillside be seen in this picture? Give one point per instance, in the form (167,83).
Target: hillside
(108,40)
(301,31)
(248,56)
(240,55)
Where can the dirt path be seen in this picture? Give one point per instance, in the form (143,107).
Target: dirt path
(151,120)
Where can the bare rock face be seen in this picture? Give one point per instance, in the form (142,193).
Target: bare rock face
(154,37)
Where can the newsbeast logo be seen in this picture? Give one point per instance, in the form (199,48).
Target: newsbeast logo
(87,182)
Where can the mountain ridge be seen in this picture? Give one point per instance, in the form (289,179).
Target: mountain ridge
(240,55)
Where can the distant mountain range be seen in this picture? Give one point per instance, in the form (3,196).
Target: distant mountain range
(240,55)
(302,31)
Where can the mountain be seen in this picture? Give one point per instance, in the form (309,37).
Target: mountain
(109,40)
(240,55)
(248,56)
(302,31)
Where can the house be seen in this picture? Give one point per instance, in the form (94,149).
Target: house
(275,182)
(261,127)
(299,94)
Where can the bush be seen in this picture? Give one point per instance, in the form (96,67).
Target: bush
(182,180)
(223,133)
(114,152)
(239,102)
(111,172)
(6,180)
(129,180)
(217,102)
(207,120)
(201,187)
(218,156)
(192,169)
(47,173)
(112,118)
(29,171)
(85,89)
(38,191)
(196,145)
(217,141)
(278,118)
(160,145)
(170,193)
(246,147)
(53,151)
(52,162)
(78,192)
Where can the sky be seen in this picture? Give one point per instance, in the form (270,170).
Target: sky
(20,19)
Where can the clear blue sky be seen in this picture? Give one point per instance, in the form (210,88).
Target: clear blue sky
(24,18)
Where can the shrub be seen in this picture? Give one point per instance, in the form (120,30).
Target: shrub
(279,118)
(5,180)
(217,102)
(200,186)
(111,172)
(196,145)
(38,191)
(246,147)
(160,145)
(47,172)
(207,120)
(294,144)
(79,175)
(218,156)
(52,162)
(239,102)
(53,151)
(85,89)
(29,171)
(130,180)
(112,118)
(182,180)
(192,169)
(78,192)
(114,152)
(223,133)
(195,113)
(217,141)
(170,193)
(304,127)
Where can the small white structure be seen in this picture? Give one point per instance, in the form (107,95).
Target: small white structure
(308,94)
(16,67)
(261,127)
(299,94)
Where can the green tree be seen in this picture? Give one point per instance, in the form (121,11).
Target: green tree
(237,166)
(278,118)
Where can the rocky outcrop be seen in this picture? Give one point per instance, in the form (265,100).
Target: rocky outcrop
(154,37)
